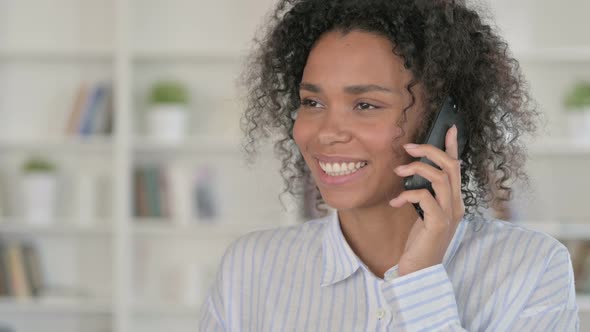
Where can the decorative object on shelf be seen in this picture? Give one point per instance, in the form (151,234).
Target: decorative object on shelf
(205,196)
(39,191)
(577,104)
(168,114)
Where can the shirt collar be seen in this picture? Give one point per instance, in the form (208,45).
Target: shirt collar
(340,261)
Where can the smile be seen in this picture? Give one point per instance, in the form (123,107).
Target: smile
(339,169)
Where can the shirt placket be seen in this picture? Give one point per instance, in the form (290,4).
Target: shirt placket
(380,315)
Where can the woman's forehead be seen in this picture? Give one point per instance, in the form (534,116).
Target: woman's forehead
(355,58)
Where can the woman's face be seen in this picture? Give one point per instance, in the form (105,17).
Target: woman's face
(353,91)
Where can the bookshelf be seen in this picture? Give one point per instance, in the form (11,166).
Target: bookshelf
(48,49)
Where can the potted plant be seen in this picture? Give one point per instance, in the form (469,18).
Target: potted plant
(577,103)
(167,115)
(39,186)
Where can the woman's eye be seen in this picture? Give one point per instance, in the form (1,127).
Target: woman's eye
(310,103)
(366,106)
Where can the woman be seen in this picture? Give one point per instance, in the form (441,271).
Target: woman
(349,87)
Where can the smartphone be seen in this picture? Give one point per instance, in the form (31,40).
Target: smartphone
(444,119)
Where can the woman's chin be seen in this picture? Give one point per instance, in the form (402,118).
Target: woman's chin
(343,201)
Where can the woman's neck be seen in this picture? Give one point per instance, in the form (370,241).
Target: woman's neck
(378,234)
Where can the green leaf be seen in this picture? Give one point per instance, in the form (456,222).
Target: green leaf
(168,92)
(579,96)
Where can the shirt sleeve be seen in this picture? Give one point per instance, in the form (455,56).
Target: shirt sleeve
(552,306)
(425,300)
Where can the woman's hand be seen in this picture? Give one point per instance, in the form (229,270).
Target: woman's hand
(429,238)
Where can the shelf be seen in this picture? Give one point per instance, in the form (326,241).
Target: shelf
(197,145)
(53,306)
(152,227)
(560,147)
(558,55)
(166,309)
(52,55)
(67,229)
(92,145)
(203,144)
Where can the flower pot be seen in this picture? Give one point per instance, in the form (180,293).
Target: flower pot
(39,198)
(578,122)
(167,122)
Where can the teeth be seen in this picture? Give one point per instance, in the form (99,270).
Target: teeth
(338,169)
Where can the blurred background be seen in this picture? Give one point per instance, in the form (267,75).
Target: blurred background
(121,178)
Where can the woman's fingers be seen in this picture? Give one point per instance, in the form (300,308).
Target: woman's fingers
(434,217)
(451,143)
(438,178)
(452,149)
(448,162)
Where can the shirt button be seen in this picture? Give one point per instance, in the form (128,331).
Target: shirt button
(380,313)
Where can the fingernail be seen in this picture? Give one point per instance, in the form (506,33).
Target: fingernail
(410,146)
(454,127)
(400,168)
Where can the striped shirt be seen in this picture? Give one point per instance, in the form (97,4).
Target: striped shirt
(495,276)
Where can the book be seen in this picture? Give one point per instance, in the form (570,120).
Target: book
(101,122)
(143,194)
(77,110)
(92,110)
(164,193)
(33,272)
(153,191)
(4,277)
(20,270)
(19,284)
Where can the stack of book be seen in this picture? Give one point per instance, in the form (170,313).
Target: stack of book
(20,270)
(151,192)
(92,111)
(174,192)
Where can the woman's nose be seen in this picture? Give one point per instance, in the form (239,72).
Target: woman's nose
(334,129)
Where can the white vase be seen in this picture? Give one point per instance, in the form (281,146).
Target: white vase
(578,122)
(39,198)
(167,122)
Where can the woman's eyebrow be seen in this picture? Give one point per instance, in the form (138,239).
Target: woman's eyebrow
(353,89)
(310,87)
(359,89)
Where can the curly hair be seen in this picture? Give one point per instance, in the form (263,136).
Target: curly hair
(449,49)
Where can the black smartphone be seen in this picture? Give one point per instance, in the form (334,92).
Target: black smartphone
(444,119)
